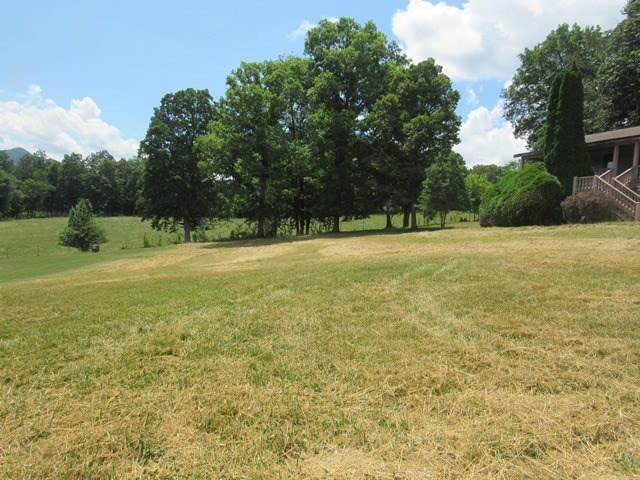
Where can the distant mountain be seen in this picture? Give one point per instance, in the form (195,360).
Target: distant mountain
(15,154)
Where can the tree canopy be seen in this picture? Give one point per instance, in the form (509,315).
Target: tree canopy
(525,99)
(344,132)
(298,143)
(174,191)
(350,65)
(444,189)
(620,72)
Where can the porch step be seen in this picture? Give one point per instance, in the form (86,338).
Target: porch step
(626,199)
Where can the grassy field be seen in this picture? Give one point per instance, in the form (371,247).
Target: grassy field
(456,354)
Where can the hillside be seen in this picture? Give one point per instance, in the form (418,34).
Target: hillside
(463,353)
(15,154)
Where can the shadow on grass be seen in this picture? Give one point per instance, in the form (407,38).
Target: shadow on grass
(258,242)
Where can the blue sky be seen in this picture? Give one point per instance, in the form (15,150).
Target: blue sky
(85,75)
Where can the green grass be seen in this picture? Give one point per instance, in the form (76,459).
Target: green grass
(29,247)
(463,353)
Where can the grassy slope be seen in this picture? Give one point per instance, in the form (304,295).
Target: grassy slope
(29,248)
(465,353)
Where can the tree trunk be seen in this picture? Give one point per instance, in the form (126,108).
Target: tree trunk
(336,224)
(389,223)
(414,219)
(260,232)
(405,216)
(187,231)
(443,220)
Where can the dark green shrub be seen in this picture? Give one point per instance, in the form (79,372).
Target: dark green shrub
(588,207)
(82,231)
(530,196)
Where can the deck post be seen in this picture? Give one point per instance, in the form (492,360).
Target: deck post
(616,160)
(636,154)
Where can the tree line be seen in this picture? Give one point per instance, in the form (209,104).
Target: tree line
(347,130)
(350,128)
(38,185)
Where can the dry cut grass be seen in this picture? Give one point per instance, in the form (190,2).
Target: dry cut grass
(503,353)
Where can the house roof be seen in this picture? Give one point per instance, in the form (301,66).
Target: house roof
(613,135)
(596,139)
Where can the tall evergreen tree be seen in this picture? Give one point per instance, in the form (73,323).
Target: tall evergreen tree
(566,154)
(549,128)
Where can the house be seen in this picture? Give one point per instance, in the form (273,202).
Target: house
(615,157)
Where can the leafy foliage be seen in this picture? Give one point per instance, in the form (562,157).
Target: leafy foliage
(620,72)
(530,196)
(527,95)
(82,230)
(412,125)
(350,65)
(255,141)
(493,173)
(174,191)
(476,185)
(444,189)
(8,191)
(591,206)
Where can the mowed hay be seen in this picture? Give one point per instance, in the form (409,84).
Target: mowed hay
(502,353)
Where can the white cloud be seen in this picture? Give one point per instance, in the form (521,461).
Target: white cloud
(481,39)
(305,26)
(487,138)
(301,31)
(34,122)
(472,96)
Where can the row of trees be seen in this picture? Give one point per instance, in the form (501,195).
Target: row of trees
(610,67)
(36,184)
(347,130)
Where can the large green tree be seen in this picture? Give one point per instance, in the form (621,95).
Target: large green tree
(411,125)
(620,72)
(247,146)
(174,191)
(350,67)
(565,151)
(526,97)
(291,79)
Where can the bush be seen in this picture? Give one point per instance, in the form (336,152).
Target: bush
(588,207)
(530,196)
(82,231)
